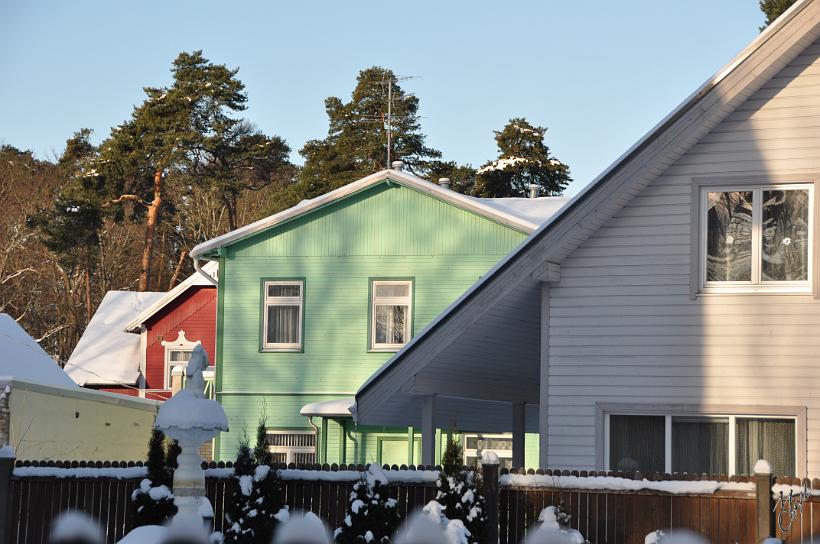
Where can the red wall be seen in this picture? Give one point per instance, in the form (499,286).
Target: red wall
(193,312)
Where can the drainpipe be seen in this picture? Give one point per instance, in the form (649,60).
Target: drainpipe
(316,434)
(205,274)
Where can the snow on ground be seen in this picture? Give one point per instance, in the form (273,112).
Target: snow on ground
(680,487)
(76,527)
(22,358)
(421,529)
(550,532)
(147,534)
(303,529)
(106,354)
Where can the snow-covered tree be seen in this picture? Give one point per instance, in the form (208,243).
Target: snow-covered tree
(458,492)
(371,516)
(153,500)
(524,159)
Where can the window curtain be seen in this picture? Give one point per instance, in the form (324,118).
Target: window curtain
(283,324)
(770,439)
(636,443)
(700,445)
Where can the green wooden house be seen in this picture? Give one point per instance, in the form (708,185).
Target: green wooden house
(313,300)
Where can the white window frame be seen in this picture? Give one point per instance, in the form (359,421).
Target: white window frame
(732,450)
(180,344)
(475,452)
(390,301)
(290,451)
(756,284)
(268,301)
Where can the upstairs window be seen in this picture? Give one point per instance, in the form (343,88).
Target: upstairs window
(282,315)
(390,314)
(757,238)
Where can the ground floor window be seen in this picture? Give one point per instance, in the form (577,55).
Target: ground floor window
(292,446)
(713,444)
(475,444)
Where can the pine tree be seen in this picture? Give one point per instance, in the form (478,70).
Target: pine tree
(462,177)
(523,159)
(458,492)
(356,144)
(774,9)
(261,451)
(371,516)
(153,501)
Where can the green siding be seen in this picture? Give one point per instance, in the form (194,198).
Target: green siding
(387,231)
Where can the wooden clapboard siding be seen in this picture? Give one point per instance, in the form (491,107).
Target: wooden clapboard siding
(388,230)
(623,326)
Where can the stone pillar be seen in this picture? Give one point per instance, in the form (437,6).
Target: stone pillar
(763,502)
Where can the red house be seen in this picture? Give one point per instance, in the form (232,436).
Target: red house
(135,352)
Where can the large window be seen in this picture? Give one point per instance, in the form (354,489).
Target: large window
(757,238)
(282,315)
(292,446)
(391,309)
(719,444)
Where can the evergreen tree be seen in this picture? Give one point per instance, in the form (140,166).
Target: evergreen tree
(774,9)
(462,177)
(153,500)
(458,492)
(452,460)
(371,516)
(523,159)
(356,144)
(261,451)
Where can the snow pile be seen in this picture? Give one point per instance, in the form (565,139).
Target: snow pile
(763,467)
(679,536)
(675,487)
(502,164)
(551,532)
(76,527)
(79,472)
(796,490)
(147,534)
(453,529)
(302,529)
(7,452)
(421,529)
(187,411)
(655,537)
(23,359)
(489,458)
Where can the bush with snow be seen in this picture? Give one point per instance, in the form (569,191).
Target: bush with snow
(76,528)
(679,536)
(551,532)
(153,499)
(458,493)
(302,529)
(371,516)
(453,530)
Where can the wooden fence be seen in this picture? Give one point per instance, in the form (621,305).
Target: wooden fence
(601,515)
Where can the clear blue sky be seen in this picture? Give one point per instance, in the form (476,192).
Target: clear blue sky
(599,74)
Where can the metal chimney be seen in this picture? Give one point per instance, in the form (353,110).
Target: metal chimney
(533,190)
(444,183)
(398,165)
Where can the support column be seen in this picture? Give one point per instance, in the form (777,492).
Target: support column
(411,445)
(324,441)
(518,432)
(544,377)
(428,430)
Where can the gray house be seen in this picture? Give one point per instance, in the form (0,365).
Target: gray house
(667,319)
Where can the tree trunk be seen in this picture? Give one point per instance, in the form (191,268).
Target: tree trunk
(88,310)
(150,231)
(230,204)
(178,268)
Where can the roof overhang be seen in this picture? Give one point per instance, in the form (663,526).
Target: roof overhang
(495,326)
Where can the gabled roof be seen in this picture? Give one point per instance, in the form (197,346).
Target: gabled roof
(194,280)
(522,214)
(647,159)
(22,358)
(106,354)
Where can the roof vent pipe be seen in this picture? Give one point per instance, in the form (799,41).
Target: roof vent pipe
(533,190)
(444,183)
(398,165)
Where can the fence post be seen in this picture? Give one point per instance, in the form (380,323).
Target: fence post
(489,473)
(763,500)
(6,468)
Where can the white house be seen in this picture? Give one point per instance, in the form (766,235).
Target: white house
(667,319)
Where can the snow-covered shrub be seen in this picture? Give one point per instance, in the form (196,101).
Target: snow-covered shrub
(421,529)
(551,532)
(679,536)
(76,528)
(371,516)
(153,500)
(453,530)
(302,529)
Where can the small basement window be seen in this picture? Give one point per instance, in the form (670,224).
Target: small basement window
(390,314)
(282,315)
(756,238)
(699,444)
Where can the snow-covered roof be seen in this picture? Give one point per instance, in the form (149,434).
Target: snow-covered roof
(523,216)
(329,408)
(194,280)
(22,358)
(106,354)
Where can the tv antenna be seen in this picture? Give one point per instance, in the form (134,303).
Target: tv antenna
(390,114)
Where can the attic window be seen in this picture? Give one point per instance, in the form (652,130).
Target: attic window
(757,238)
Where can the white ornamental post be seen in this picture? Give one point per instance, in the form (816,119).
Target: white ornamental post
(191,419)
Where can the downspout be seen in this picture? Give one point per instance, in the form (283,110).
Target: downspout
(205,274)
(316,434)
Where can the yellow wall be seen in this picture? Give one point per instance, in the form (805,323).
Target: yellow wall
(51,423)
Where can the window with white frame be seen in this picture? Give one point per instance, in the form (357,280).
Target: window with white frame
(756,238)
(476,444)
(177,354)
(711,444)
(292,446)
(282,315)
(391,309)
